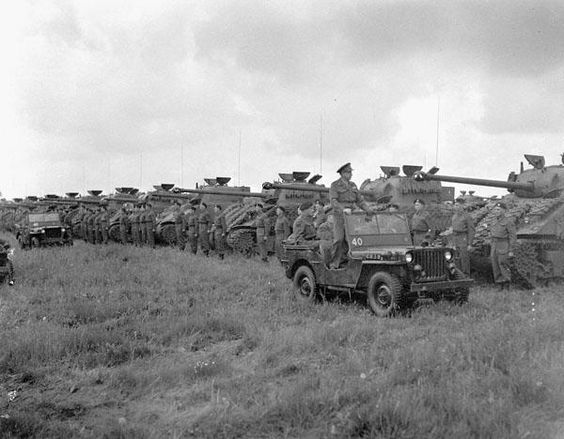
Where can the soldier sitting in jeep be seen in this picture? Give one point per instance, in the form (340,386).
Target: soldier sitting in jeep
(382,262)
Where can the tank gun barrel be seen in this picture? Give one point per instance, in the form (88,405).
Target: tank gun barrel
(179,191)
(512,185)
(306,187)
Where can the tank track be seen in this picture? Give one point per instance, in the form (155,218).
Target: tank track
(167,234)
(113,232)
(242,241)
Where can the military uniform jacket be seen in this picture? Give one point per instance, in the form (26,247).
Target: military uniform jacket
(104,217)
(282,226)
(192,222)
(462,224)
(220,224)
(178,217)
(134,219)
(204,221)
(123,219)
(325,232)
(344,194)
(504,234)
(420,222)
(303,228)
(262,226)
(150,219)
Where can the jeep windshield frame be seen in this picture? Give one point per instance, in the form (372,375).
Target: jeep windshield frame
(44,219)
(382,230)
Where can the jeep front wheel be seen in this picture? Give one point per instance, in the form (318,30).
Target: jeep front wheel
(304,284)
(385,294)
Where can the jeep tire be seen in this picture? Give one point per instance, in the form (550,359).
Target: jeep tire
(461,294)
(304,287)
(385,294)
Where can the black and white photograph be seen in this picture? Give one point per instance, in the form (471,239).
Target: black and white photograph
(282,219)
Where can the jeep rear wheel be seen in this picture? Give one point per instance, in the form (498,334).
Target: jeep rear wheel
(304,284)
(385,295)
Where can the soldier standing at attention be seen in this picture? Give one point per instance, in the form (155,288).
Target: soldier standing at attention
(344,197)
(91,227)
(104,224)
(462,234)
(204,228)
(142,226)
(420,228)
(281,230)
(263,229)
(150,225)
(123,222)
(83,223)
(504,237)
(219,230)
(134,221)
(192,226)
(179,225)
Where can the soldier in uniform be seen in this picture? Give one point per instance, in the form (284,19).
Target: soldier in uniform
(134,221)
(142,226)
(104,225)
(281,230)
(150,225)
(503,237)
(303,228)
(318,213)
(123,223)
(192,229)
(262,231)
(91,227)
(344,197)
(179,225)
(420,228)
(325,236)
(84,223)
(219,231)
(204,228)
(462,234)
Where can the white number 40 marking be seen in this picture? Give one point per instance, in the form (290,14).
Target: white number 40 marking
(357,241)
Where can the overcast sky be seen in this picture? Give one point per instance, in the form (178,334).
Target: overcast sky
(98,94)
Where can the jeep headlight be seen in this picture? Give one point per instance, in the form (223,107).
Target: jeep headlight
(448,255)
(409,257)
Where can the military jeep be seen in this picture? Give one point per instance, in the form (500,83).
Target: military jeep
(42,229)
(382,262)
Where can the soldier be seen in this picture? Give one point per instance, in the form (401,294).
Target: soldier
(104,224)
(325,236)
(204,228)
(91,227)
(192,229)
(420,228)
(344,197)
(504,237)
(318,213)
(262,232)
(123,225)
(5,247)
(142,226)
(303,228)
(83,213)
(136,226)
(150,225)
(219,231)
(179,225)
(281,230)
(462,234)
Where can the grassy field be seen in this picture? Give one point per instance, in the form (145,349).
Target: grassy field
(121,342)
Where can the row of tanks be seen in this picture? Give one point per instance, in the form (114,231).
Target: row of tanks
(535,201)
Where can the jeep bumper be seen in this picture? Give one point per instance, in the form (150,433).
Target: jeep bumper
(439,286)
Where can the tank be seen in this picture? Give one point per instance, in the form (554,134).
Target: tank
(536,203)
(123,196)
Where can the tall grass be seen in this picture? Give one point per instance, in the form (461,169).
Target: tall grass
(124,342)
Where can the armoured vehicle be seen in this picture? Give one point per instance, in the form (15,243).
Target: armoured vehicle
(42,229)
(536,202)
(382,263)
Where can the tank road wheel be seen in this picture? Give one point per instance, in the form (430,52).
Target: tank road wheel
(168,234)
(304,288)
(113,233)
(460,294)
(385,294)
(35,242)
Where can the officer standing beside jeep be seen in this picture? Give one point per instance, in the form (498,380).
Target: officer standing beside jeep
(420,228)
(462,234)
(344,196)
(504,237)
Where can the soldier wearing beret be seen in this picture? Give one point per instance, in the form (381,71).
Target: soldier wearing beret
(204,228)
(304,229)
(262,232)
(179,225)
(344,196)
(462,234)
(503,239)
(420,223)
(281,229)
(192,229)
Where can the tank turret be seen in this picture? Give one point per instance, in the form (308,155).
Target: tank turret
(536,203)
